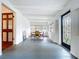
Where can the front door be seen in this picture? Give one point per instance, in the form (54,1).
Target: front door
(7,30)
(66,30)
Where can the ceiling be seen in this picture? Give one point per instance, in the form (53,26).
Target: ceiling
(39,10)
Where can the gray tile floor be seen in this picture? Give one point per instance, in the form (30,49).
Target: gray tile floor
(31,49)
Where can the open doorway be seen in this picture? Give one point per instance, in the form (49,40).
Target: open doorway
(7,27)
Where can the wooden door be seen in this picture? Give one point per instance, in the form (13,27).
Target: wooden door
(7,30)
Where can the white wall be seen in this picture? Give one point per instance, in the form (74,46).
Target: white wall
(21,24)
(54,31)
(75,32)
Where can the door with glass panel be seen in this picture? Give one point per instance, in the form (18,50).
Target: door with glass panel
(7,30)
(66,30)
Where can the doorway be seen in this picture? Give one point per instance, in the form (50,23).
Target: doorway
(66,30)
(7,27)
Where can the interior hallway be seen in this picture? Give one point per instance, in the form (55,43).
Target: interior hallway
(34,49)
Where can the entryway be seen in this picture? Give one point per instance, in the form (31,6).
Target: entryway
(7,27)
(66,30)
